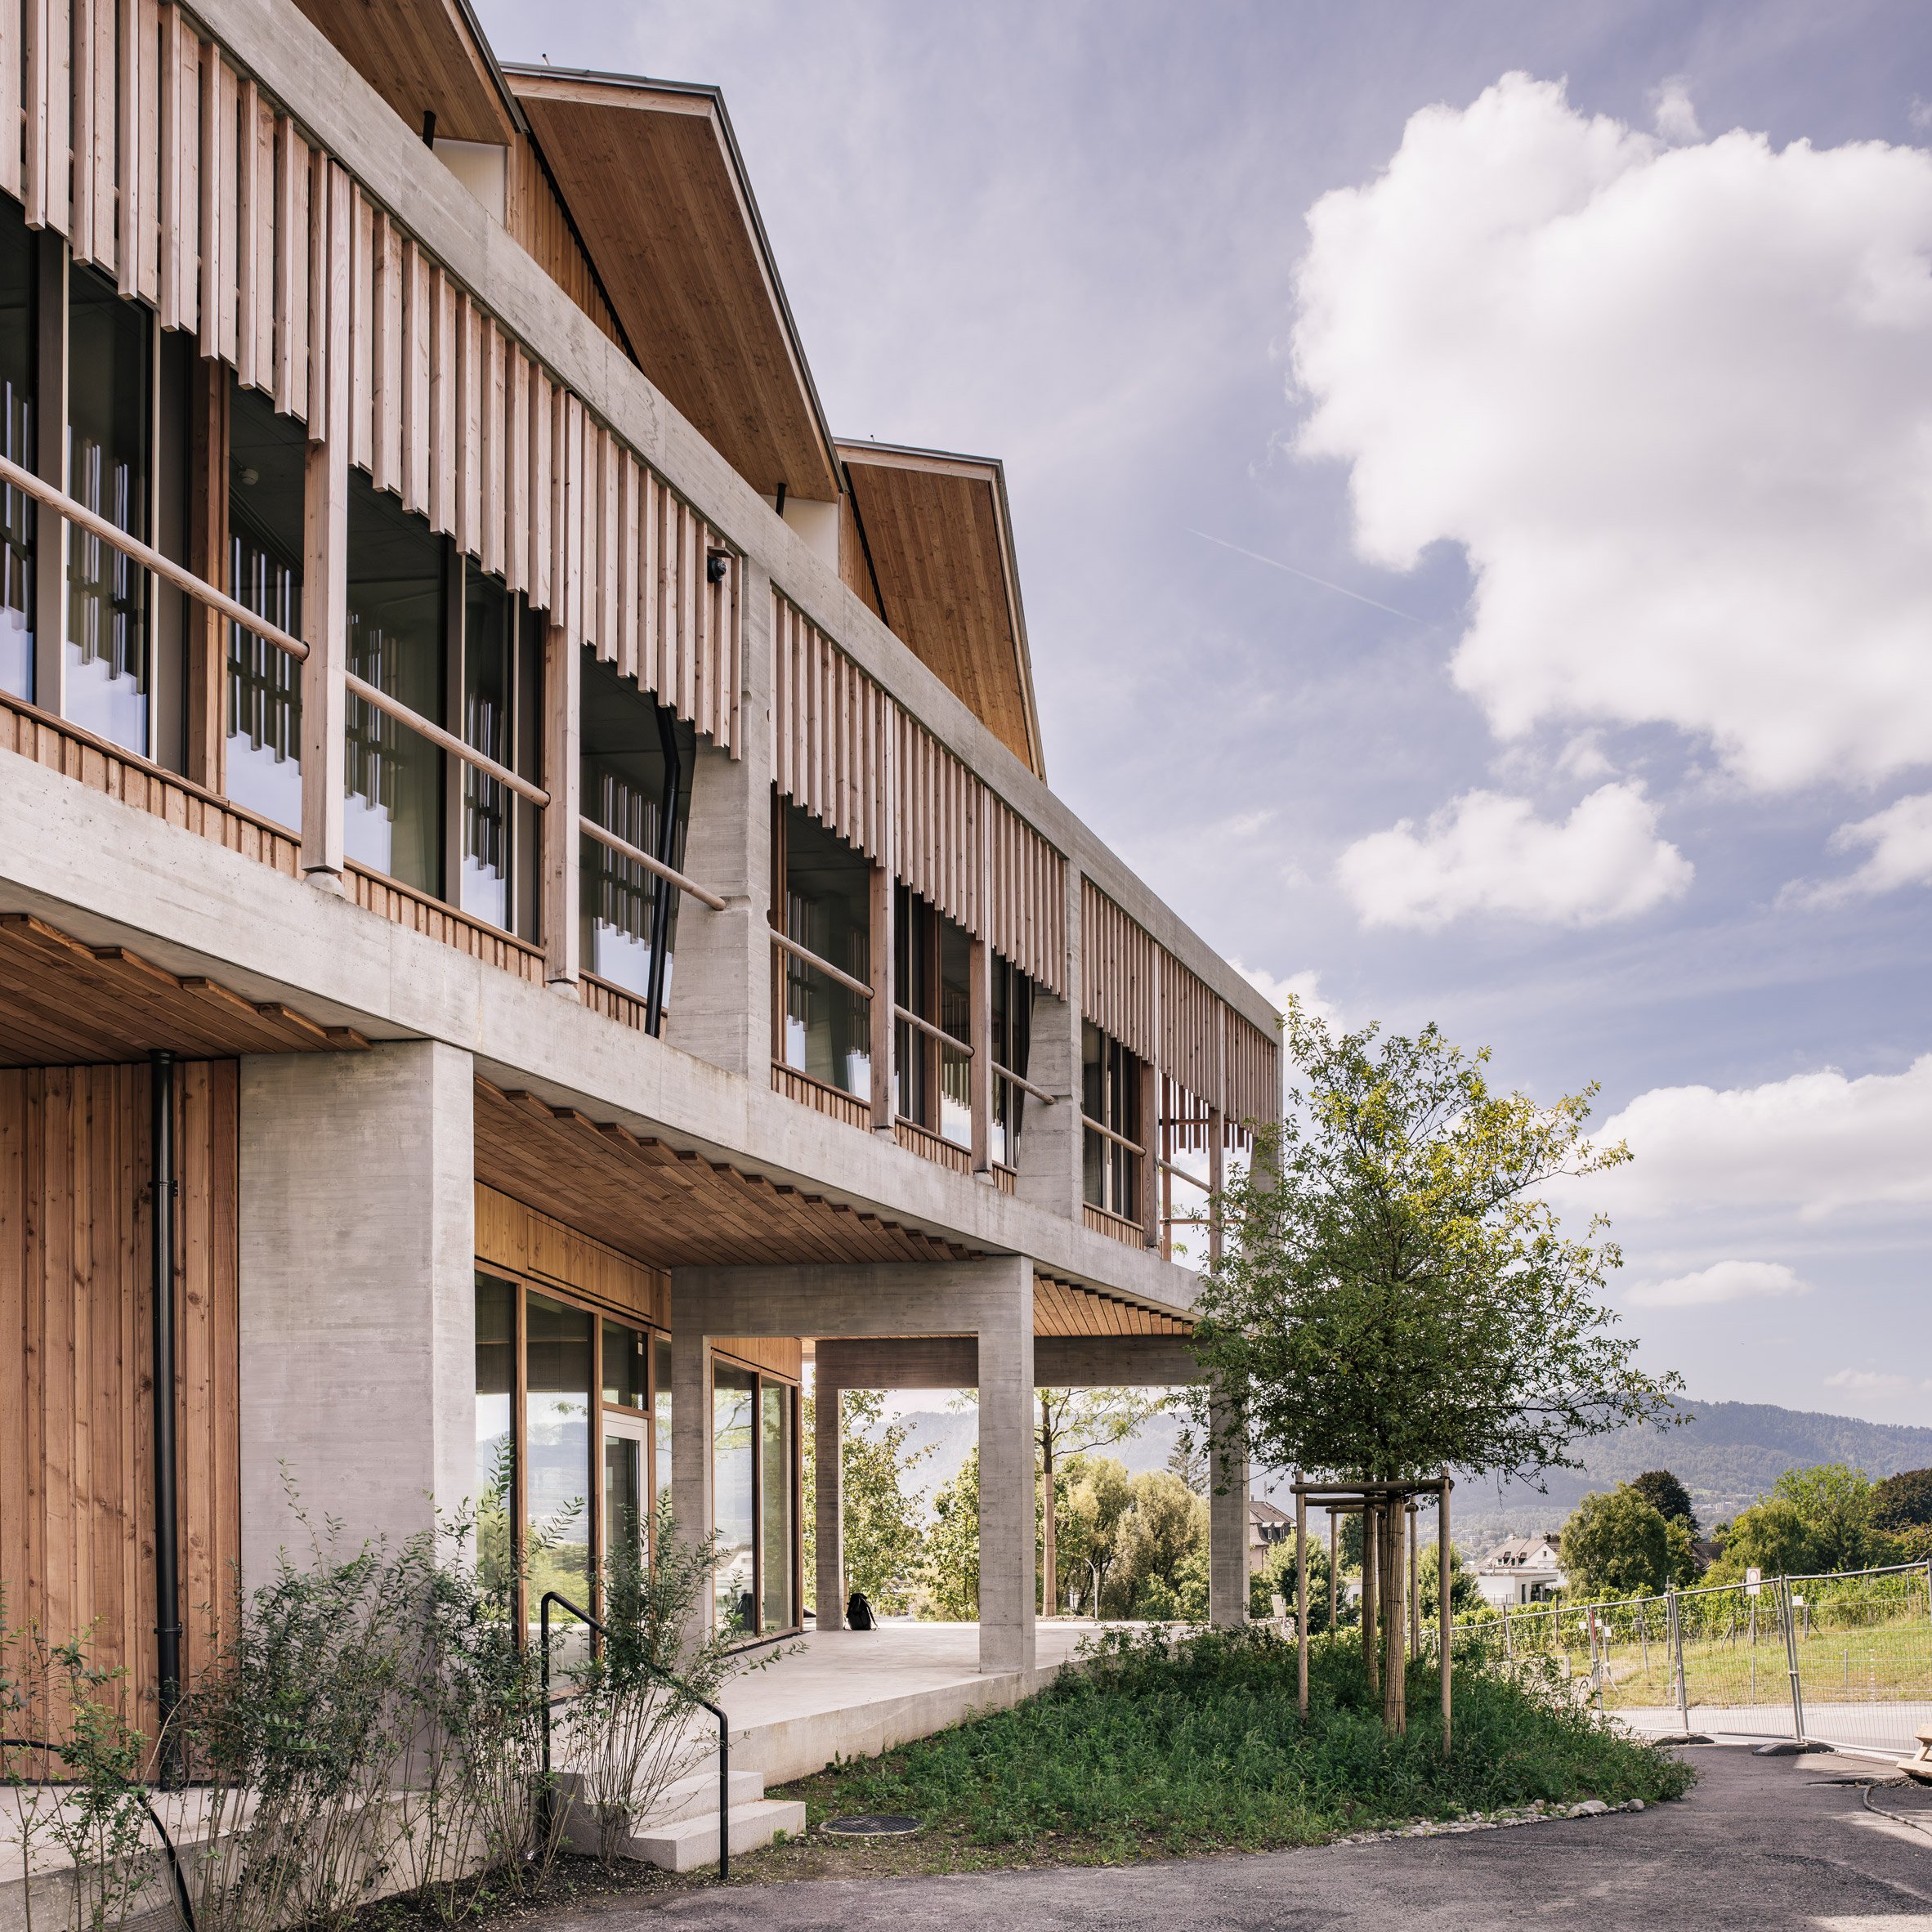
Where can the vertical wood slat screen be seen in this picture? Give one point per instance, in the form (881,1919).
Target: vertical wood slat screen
(172,172)
(831,726)
(1132,988)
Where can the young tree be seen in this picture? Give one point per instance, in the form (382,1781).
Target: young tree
(882,1522)
(1465,1595)
(1189,1459)
(1099,1494)
(1397,1296)
(1771,1535)
(1162,1569)
(1835,1500)
(1617,1544)
(1668,1496)
(1076,1422)
(951,1574)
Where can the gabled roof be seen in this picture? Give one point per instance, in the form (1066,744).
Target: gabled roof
(939,536)
(655,186)
(423,56)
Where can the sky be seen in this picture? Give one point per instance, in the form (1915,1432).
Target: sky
(1471,469)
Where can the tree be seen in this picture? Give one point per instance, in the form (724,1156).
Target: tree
(1099,1494)
(1076,1422)
(1772,1537)
(1616,1544)
(1667,1496)
(1188,1459)
(1465,1595)
(1397,1296)
(1903,1501)
(881,1523)
(951,1574)
(1162,1571)
(1835,1500)
(1275,1578)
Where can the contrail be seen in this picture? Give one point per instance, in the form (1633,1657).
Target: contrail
(1308,577)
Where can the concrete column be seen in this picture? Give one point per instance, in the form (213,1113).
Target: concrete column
(358,1293)
(1006,1478)
(719,1007)
(827,1507)
(690,1425)
(1228,1521)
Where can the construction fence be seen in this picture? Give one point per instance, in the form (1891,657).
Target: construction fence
(1845,1659)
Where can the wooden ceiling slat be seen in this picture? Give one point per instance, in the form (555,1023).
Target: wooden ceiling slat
(420,56)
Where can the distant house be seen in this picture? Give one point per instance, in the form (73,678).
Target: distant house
(1522,1570)
(1267,1527)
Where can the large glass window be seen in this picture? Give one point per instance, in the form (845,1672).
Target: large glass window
(502,669)
(637,760)
(1110,1094)
(777,1529)
(955,949)
(558,1347)
(734,1477)
(828,910)
(1012,1046)
(496,1444)
(108,406)
(393,817)
(267,454)
(933,978)
(17,428)
(662,1418)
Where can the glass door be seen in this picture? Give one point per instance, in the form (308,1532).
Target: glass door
(627,1470)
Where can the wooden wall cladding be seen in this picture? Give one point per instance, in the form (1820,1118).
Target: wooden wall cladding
(851,755)
(777,1355)
(1132,988)
(77,1546)
(171,171)
(527,1241)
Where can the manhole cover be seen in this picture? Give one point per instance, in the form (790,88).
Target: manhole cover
(873,1825)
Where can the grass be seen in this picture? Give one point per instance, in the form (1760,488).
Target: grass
(1171,1748)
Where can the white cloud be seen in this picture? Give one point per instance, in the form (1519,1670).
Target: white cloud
(1676,404)
(1305,985)
(1484,853)
(1872,1380)
(1673,114)
(1899,840)
(1812,1145)
(1722,1281)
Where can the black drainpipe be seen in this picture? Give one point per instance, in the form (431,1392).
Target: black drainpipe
(666,846)
(168,1629)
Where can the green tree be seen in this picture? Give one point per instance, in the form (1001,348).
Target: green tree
(1275,1578)
(1397,1296)
(1465,1595)
(1616,1544)
(1098,1495)
(950,1575)
(1076,1422)
(1667,1496)
(1903,1501)
(1835,1500)
(1162,1571)
(882,1520)
(1771,1535)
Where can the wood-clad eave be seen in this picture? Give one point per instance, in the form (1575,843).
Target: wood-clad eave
(550,92)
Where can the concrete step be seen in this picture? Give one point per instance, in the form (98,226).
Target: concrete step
(693,1796)
(693,1842)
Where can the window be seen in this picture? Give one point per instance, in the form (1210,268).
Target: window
(266,456)
(503,693)
(637,762)
(777,1526)
(827,902)
(1011,1047)
(557,1499)
(1110,1094)
(496,1435)
(734,1482)
(17,442)
(933,978)
(108,667)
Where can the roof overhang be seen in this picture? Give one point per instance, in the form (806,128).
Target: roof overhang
(939,535)
(424,57)
(652,175)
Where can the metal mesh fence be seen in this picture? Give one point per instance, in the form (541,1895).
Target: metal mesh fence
(1844,1659)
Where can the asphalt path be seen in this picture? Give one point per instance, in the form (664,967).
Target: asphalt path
(1760,1844)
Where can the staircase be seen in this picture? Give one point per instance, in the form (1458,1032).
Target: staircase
(681,1833)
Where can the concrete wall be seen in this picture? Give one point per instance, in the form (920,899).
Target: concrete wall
(358,1299)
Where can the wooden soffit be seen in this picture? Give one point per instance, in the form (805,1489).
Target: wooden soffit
(669,1207)
(422,56)
(1065,1308)
(940,543)
(66,1004)
(654,183)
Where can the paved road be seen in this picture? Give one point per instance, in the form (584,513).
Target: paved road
(1758,1846)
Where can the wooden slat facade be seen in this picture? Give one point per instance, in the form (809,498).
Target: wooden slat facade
(77,1430)
(843,749)
(527,1241)
(819,1098)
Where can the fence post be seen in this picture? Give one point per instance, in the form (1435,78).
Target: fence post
(1683,1689)
(1508,1642)
(1791,1651)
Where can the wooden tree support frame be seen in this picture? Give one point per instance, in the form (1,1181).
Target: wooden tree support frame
(1387,1597)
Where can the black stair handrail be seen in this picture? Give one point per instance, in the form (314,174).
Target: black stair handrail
(678,1684)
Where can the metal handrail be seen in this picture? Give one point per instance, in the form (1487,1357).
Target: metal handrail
(678,1684)
(656,866)
(786,944)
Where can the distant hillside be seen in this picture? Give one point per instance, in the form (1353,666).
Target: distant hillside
(1728,1456)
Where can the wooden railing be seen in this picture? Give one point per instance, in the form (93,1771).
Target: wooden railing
(1115,1227)
(832,1102)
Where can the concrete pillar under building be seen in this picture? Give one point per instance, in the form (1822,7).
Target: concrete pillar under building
(690,1427)
(1006,1472)
(1228,1520)
(827,1507)
(357,1293)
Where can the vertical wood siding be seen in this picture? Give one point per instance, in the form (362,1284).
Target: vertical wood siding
(77,1505)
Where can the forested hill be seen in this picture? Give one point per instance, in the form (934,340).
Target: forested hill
(1728,1454)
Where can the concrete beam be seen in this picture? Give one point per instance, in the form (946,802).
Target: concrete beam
(1059,1362)
(358,1293)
